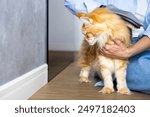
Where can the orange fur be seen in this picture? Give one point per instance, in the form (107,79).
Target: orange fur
(118,27)
(101,26)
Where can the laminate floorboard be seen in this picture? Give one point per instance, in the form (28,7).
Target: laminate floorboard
(58,60)
(65,86)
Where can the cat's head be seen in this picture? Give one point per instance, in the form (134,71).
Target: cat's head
(101,25)
(93,27)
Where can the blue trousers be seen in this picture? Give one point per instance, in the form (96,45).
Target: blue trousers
(138,72)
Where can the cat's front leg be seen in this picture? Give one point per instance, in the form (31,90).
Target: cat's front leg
(106,72)
(120,73)
(84,73)
(108,83)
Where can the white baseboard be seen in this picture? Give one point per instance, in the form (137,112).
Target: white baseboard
(26,85)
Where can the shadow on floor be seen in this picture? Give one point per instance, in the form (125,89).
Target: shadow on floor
(58,60)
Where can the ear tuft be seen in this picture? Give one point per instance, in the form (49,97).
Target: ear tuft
(86,20)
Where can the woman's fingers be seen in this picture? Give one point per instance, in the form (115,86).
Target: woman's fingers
(105,51)
(116,50)
(118,42)
(111,48)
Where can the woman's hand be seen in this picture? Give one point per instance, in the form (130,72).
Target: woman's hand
(116,50)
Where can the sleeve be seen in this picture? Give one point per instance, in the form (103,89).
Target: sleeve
(85,6)
(147,23)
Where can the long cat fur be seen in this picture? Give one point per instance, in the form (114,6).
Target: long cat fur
(101,26)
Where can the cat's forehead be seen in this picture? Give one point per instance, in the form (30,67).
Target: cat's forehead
(92,28)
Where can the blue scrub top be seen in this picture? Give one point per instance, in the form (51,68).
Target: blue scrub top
(86,6)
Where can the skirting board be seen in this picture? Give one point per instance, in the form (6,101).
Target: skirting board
(26,85)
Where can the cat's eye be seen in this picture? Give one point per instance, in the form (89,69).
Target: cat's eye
(89,35)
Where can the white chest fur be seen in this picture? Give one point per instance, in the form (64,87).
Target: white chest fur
(102,39)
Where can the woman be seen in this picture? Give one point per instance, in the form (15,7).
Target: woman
(138,71)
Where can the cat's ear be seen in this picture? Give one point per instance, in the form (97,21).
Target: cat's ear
(83,17)
(86,20)
(80,14)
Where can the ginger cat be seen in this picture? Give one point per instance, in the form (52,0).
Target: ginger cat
(101,26)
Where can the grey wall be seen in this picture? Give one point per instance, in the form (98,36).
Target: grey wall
(22,37)
(64,28)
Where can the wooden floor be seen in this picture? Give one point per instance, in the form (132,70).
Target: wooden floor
(65,86)
(58,60)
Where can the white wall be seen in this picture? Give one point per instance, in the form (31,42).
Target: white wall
(64,28)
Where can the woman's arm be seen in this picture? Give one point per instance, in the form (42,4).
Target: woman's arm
(119,50)
(85,6)
(142,45)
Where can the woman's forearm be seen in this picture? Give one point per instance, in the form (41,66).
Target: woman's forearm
(140,46)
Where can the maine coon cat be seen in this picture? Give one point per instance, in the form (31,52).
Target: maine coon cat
(101,26)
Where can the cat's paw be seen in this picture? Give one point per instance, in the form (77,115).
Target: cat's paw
(124,91)
(107,90)
(84,80)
